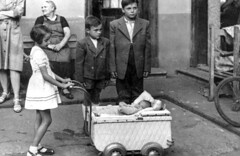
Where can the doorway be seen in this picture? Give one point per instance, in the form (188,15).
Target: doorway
(199,33)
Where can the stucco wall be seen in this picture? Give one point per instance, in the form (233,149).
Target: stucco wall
(68,8)
(174,34)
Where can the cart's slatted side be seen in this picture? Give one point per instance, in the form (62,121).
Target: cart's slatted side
(132,135)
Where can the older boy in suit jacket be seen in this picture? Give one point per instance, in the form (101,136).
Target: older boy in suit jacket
(130,55)
(92,59)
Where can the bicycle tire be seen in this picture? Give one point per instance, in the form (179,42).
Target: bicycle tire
(226,96)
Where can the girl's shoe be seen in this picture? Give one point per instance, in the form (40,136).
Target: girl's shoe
(46,151)
(4,97)
(29,153)
(17,108)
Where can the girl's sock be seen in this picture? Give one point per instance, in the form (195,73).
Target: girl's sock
(33,149)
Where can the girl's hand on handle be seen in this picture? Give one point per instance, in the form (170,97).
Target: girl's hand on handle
(67,85)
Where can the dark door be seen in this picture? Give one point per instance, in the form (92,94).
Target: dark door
(149,11)
(199,18)
(108,10)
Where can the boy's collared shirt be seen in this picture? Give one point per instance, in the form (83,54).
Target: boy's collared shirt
(94,41)
(130,27)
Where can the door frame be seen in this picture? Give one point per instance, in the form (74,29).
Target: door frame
(199,33)
(149,11)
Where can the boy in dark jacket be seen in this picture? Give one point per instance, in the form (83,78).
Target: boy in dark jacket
(92,59)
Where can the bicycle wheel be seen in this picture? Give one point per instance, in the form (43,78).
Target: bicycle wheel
(227,100)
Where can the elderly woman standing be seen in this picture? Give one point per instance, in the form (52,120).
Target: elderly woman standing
(11,49)
(58,50)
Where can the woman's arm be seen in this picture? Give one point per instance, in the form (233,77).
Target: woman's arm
(67,34)
(64,41)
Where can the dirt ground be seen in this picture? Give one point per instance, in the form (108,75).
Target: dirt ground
(196,136)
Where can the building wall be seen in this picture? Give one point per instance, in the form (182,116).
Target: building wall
(174,34)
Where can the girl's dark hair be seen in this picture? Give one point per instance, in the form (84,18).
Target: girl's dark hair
(127,2)
(92,21)
(38,32)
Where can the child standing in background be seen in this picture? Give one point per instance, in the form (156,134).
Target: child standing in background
(92,59)
(130,55)
(42,93)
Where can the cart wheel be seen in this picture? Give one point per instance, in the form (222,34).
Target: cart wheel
(152,149)
(227,100)
(114,149)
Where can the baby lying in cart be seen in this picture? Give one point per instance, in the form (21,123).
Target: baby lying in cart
(145,102)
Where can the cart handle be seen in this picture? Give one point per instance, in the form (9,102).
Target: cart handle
(78,85)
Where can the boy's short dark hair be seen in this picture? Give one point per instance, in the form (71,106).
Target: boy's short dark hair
(127,2)
(92,21)
(38,32)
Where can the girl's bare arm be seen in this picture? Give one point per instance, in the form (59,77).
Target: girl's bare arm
(51,80)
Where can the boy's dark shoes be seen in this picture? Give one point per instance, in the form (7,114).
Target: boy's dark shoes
(106,83)
(46,151)
(84,84)
(114,75)
(145,74)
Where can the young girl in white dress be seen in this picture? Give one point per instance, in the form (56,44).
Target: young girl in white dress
(42,92)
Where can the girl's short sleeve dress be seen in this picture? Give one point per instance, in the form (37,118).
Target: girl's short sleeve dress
(41,95)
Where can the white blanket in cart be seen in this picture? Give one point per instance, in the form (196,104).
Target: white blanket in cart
(144,102)
(112,111)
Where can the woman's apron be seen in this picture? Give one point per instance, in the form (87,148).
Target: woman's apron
(56,37)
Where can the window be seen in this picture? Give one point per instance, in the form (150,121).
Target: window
(112,3)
